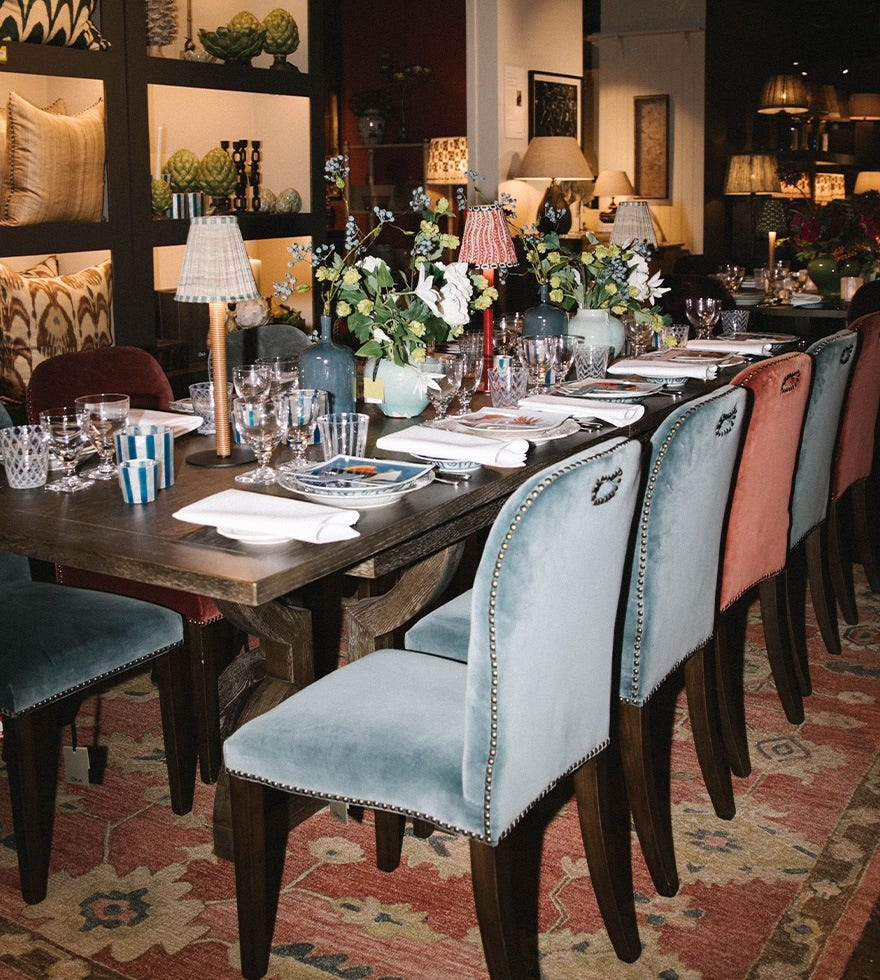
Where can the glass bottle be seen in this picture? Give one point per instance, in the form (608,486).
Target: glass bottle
(329,367)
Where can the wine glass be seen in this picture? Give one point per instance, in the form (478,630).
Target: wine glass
(538,356)
(252,381)
(703,313)
(471,376)
(262,424)
(304,405)
(65,429)
(102,417)
(508,327)
(566,350)
(639,334)
(284,372)
(442,373)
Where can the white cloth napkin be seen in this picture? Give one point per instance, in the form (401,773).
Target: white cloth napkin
(661,369)
(805,299)
(615,413)
(179,424)
(443,444)
(261,513)
(735,345)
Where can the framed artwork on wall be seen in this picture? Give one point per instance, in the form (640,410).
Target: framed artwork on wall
(652,146)
(554,105)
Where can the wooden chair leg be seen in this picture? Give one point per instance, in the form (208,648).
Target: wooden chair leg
(493,898)
(699,678)
(773,614)
(841,574)
(389,839)
(731,697)
(178,726)
(821,587)
(32,744)
(259,830)
(796,604)
(653,820)
(422,829)
(861,525)
(211,646)
(607,846)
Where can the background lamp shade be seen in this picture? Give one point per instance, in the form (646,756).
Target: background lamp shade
(632,223)
(867,180)
(772,217)
(613,183)
(752,173)
(447,160)
(864,105)
(829,187)
(784,93)
(216,270)
(554,158)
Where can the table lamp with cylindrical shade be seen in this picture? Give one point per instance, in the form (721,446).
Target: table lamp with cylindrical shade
(748,175)
(554,158)
(216,270)
(486,243)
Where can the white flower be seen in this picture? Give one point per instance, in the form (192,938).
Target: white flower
(455,294)
(427,292)
(372,263)
(380,336)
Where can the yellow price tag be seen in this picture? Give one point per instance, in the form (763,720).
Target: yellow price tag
(374,391)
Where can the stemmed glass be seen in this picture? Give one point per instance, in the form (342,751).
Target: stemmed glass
(102,417)
(538,355)
(284,372)
(304,405)
(65,429)
(471,375)
(252,381)
(508,327)
(566,350)
(703,313)
(262,424)
(639,334)
(442,372)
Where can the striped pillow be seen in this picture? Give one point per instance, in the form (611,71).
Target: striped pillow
(63,22)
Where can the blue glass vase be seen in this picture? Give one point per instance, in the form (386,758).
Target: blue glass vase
(545,319)
(329,367)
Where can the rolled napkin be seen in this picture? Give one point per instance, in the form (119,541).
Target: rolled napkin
(663,369)
(614,413)
(179,424)
(423,440)
(242,512)
(805,299)
(734,345)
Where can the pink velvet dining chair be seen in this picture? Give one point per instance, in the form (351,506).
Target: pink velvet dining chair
(756,544)
(208,637)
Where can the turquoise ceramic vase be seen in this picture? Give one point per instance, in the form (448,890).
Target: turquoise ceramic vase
(599,328)
(329,367)
(545,319)
(404,394)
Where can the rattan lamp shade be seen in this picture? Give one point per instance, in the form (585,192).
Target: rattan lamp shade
(554,158)
(632,223)
(784,93)
(752,173)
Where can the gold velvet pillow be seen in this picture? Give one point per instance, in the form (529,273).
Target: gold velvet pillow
(42,315)
(58,107)
(55,164)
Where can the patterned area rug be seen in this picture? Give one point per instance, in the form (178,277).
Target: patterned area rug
(781,891)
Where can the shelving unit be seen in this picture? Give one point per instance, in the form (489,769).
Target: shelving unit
(129,231)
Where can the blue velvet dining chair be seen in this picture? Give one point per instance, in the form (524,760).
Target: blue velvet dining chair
(833,359)
(468,747)
(670,610)
(57,646)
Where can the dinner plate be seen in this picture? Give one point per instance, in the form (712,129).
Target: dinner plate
(611,390)
(516,421)
(356,476)
(749,298)
(448,465)
(252,537)
(363,501)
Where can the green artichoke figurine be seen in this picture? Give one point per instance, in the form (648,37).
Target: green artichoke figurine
(182,169)
(282,37)
(233,46)
(244,20)
(161,196)
(217,173)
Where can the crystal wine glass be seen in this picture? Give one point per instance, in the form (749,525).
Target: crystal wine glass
(304,405)
(102,417)
(252,381)
(703,313)
(262,424)
(538,356)
(471,375)
(284,372)
(639,334)
(442,373)
(508,327)
(65,429)
(566,350)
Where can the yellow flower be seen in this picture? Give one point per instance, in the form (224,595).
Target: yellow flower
(480,282)
(429,228)
(449,241)
(611,288)
(555,282)
(483,302)
(322,273)
(555,295)
(417,354)
(491,292)
(351,277)
(442,206)
(416,328)
(365,307)
(554,257)
(342,308)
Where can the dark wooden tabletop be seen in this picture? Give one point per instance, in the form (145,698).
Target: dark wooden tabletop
(94,529)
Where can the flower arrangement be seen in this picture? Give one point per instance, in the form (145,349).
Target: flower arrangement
(549,262)
(395,315)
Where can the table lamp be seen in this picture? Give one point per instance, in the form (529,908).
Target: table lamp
(612,183)
(867,180)
(632,223)
(784,93)
(447,160)
(554,158)
(772,222)
(486,243)
(216,270)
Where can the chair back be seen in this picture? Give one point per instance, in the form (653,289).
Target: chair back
(865,300)
(129,370)
(673,581)
(544,604)
(270,340)
(5,418)
(14,569)
(854,456)
(756,544)
(833,358)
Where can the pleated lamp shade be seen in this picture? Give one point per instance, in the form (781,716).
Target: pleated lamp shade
(864,105)
(867,180)
(784,93)
(752,173)
(486,241)
(554,158)
(632,223)
(216,267)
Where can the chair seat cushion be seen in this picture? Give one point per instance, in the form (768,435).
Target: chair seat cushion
(446,631)
(386,731)
(55,640)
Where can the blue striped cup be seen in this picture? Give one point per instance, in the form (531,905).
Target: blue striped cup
(139,480)
(149,442)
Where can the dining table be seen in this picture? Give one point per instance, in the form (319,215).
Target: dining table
(808,320)
(293,596)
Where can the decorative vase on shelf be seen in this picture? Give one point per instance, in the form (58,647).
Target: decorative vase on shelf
(329,367)
(600,328)
(825,274)
(545,319)
(371,126)
(403,392)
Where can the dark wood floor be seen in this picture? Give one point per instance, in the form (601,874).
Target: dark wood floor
(865,962)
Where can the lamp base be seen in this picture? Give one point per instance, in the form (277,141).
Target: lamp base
(561,221)
(209,458)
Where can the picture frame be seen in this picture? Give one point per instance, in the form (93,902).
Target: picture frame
(555,104)
(651,130)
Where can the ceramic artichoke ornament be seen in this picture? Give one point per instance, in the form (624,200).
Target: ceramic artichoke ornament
(161,194)
(238,41)
(217,174)
(282,38)
(182,168)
